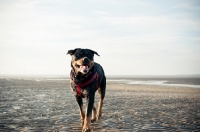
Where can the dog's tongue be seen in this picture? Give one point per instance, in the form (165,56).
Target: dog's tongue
(84,67)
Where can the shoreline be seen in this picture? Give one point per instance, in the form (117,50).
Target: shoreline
(147,87)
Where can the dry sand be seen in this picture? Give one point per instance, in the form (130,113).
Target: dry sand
(46,105)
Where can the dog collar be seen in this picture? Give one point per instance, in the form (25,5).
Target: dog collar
(80,85)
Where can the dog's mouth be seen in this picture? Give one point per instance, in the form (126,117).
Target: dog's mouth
(83,68)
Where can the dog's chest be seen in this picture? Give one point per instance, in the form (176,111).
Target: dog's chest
(84,91)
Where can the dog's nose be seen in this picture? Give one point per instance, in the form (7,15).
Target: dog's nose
(85,60)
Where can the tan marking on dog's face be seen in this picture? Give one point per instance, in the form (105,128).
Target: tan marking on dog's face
(80,67)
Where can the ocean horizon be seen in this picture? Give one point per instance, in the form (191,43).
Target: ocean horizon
(190,81)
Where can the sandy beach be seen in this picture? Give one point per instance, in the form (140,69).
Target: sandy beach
(48,105)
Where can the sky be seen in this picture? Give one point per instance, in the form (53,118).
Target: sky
(132,37)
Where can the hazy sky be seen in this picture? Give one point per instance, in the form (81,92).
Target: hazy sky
(149,37)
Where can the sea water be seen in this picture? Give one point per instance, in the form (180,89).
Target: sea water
(172,81)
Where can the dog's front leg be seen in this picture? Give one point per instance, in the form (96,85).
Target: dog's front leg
(87,122)
(80,104)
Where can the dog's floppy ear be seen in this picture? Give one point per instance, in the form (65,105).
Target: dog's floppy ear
(71,52)
(94,52)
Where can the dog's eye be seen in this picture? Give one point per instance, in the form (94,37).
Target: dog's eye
(78,66)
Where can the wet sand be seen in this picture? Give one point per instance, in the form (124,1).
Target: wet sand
(48,105)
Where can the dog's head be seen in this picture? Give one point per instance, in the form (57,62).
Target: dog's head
(82,59)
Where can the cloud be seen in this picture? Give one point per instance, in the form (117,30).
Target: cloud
(188,4)
(100,12)
(144,22)
(35,36)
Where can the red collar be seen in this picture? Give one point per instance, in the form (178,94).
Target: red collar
(78,86)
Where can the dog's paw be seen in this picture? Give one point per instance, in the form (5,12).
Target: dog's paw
(93,120)
(98,116)
(86,130)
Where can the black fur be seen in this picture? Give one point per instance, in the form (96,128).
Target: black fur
(88,91)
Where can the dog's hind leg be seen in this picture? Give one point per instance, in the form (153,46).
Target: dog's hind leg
(80,104)
(99,111)
(101,91)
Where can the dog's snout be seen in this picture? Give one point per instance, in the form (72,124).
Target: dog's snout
(85,60)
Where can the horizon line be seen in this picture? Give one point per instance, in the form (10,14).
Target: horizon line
(109,76)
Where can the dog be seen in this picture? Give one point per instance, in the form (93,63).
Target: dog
(86,78)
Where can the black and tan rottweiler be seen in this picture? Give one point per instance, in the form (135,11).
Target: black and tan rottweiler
(86,78)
